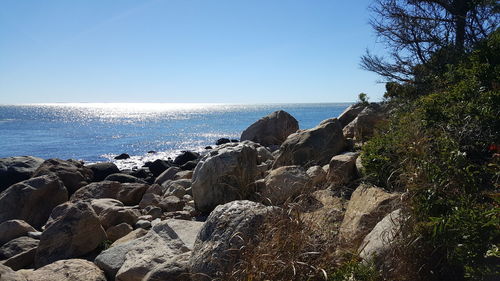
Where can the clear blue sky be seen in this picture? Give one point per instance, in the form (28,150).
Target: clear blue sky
(230,51)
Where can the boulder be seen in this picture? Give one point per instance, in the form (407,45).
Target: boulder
(16,169)
(127,193)
(17,246)
(175,270)
(317,175)
(168,174)
(68,270)
(102,170)
(189,166)
(187,231)
(73,231)
(136,233)
(377,244)
(184,174)
(222,141)
(229,226)
(368,205)
(350,113)
(284,183)
(22,260)
(72,173)
(177,187)
(122,156)
(224,175)
(158,166)
(364,124)
(7,274)
(325,213)
(342,168)
(123,178)
(136,258)
(118,231)
(111,212)
(171,203)
(311,147)
(272,129)
(185,157)
(32,200)
(12,229)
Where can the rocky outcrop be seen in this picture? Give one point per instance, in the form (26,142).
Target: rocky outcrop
(102,170)
(350,113)
(311,147)
(325,212)
(272,129)
(127,193)
(72,173)
(111,212)
(7,274)
(123,178)
(229,226)
(185,157)
(317,175)
(224,175)
(32,200)
(72,231)
(16,169)
(118,231)
(168,174)
(377,244)
(342,168)
(364,124)
(368,205)
(68,270)
(12,229)
(137,258)
(285,183)
(17,246)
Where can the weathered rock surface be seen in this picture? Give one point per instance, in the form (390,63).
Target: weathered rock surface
(229,226)
(311,147)
(7,274)
(185,157)
(224,175)
(123,178)
(102,170)
(377,244)
(111,212)
(118,231)
(32,200)
(16,169)
(368,205)
(342,168)
(72,173)
(326,213)
(187,231)
(284,183)
(73,231)
(175,270)
(364,124)
(12,229)
(158,166)
(127,193)
(168,174)
(68,270)
(272,129)
(317,175)
(136,258)
(350,113)
(137,233)
(17,246)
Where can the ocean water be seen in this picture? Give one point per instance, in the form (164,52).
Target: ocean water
(98,132)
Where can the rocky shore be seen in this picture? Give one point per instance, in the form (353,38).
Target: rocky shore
(187,218)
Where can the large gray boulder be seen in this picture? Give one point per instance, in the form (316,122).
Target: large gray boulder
(364,124)
(128,193)
(12,229)
(285,183)
(17,246)
(16,169)
(225,175)
(102,170)
(72,231)
(135,259)
(32,200)
(111,212)
(68,270)
(72,173)
(229,226)
(368,205)
(350,113)
(311,147)
(272,129)
(342,168)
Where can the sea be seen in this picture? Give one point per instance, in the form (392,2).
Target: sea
(97,132)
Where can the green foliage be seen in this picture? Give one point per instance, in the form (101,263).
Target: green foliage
(440,146)
(363,99)
(355,270)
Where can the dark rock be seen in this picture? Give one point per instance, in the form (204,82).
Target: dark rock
(151,152)
(208,147)
(222,141)
(122,156)
(235,140)
(72,173)
(17,246)
(158,166)
(188,166)
(16,169)
(123,178)
(102,170)
(272,129)
(13,229)
(185,156)
(32,200)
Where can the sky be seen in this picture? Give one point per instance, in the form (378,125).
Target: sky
(220,51)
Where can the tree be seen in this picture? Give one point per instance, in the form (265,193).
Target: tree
(415,30)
